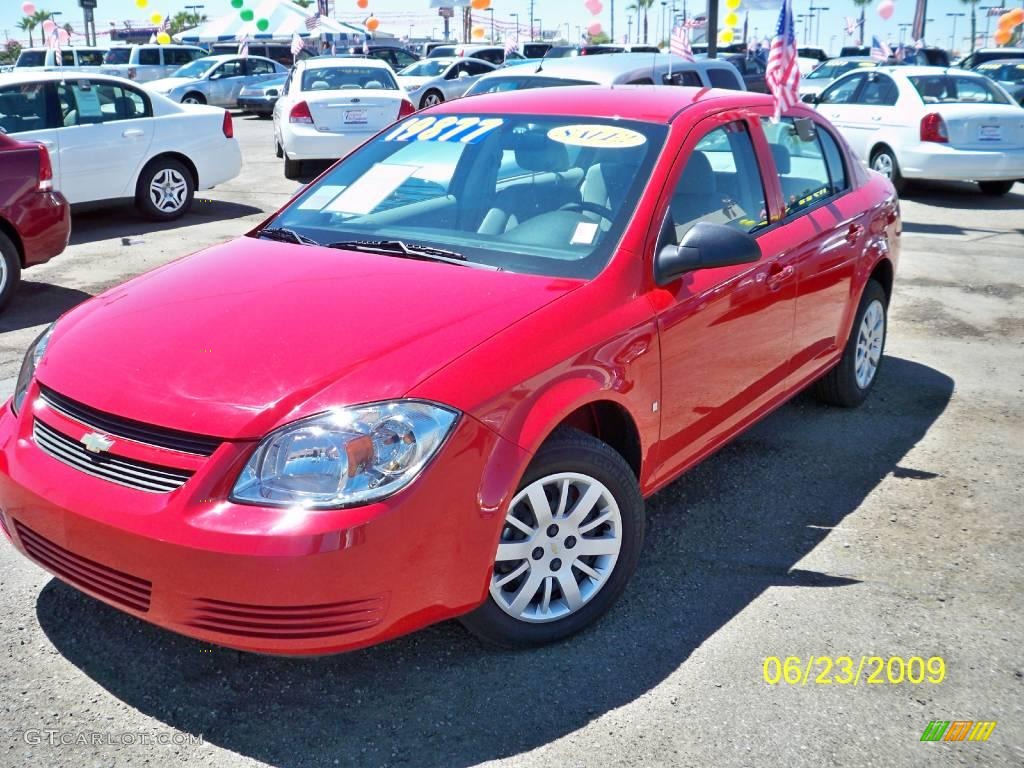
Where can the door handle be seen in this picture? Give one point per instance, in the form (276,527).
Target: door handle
(778,274)
(854,233)
(132,133)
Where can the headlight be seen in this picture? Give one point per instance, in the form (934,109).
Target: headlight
(348,456)
(33,356)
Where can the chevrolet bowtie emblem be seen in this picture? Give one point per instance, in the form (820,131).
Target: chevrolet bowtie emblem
(94,442)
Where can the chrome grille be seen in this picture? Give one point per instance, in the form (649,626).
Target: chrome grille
(161,437)
(116,469)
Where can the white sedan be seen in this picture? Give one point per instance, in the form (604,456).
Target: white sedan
(913,122)
(331,105)
(110,140)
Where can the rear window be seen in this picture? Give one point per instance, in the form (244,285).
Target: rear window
(31,59)
(149,56)
(117,56)
(87,58)
(956,89)
(347,78)
(724,78)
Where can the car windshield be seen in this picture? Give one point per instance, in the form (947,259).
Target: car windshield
(520,83)
(1004,73)
(338,78)
(427,68)
(118,56)
(441,51)
(538,194)
(832,70)
(197,68)
(31,59)
(957,89)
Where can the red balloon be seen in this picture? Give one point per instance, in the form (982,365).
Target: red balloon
(362,3)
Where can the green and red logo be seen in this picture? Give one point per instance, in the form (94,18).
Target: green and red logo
(958,730)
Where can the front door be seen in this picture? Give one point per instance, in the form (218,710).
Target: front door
(225,82)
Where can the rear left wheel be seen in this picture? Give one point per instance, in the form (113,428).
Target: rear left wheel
(571,540)
(292,168)
(884,161)
(995,188)
(848,384)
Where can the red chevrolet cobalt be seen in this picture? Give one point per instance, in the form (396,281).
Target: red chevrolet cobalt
(440,381)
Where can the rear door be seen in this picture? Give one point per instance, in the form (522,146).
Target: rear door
(225,82)
(838,103)
(872,110)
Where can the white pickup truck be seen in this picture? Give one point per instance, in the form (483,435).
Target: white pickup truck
(143,63)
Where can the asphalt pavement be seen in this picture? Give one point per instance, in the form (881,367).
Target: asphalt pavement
(890,531)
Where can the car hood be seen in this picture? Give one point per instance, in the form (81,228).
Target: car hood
(168,83)
(234,340)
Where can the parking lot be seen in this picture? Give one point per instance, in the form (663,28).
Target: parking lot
(892,530)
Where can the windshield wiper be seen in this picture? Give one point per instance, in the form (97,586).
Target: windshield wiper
(285,235)
(404,250)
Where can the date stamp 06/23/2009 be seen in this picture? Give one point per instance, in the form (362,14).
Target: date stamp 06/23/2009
(851,670)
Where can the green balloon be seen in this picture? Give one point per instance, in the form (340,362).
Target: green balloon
(246,15)
(237,3)
(262,25)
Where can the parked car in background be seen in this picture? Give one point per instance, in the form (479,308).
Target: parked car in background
(330,106)
(599,49)
(82,58)
(109,140)
(143,63)
(428,47)
(259,98)
(621,69)
(822,76)
(535,50)
(750,67)
(982,55)
(434,80)
(929,55)
(812,52)
(441,380)
(1009,73)
(930,123)
(492,54)
(397,57)
(215,80)
(562,52)
(279,52)
(35,220)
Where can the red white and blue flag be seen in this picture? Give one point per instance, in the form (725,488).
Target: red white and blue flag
(680,42)
(880,51)
(297,45)
(312,22)
(782,74)
(243,47)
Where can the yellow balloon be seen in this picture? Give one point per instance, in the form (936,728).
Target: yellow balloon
(725,35)
(479,32)
(156,18)
(732,5)
(163,38)
(142,3)
(732,20)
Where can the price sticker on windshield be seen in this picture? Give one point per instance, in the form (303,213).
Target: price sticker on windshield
(448,128)
(597,136)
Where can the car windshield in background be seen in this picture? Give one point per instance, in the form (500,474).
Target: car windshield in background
(955,89)
(832,71)
(85,58)
(118,56)
(197,68)
(537,194)
(31,59)
(1004,73)
(335,78)
(520,83)
(426,68)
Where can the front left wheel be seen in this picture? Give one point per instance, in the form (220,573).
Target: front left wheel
(165,190)
(570,542)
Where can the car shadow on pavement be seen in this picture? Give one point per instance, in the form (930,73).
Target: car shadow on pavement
(91,224)
(963,194)
(37,303)
(717,539)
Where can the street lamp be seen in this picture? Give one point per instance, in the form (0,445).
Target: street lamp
(491,11)
(540,30)
(952,37)
(516,17)
(817,9)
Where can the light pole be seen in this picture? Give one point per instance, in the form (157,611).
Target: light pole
(664,23)
(988,18)
(903,30)
(817,9)
(629,28)
(952,37)
(516,17)
(540,30)
(491,11)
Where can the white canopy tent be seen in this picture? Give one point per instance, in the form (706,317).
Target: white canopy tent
(284,19)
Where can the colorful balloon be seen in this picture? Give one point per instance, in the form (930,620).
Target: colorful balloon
(732,20)
(247,14)
(594,6)
(163,38)
(481,5)
(237,3)
(732,5)
(478,32)
(48,26)
(726,36)
(28,9)
(594,29)
(372,23)
(141,3)
(1002,36)
(262,25)
(886,8)
(362,3)
(1016,16)
(156,18)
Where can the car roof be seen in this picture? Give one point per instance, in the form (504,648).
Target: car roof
(320,61)
(910,70)
(1001,62)
(15,76)
(649,103)
(608,67)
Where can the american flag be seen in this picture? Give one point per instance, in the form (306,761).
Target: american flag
(54,42)
(996,11)
(312,22)
(297,45)
(880,51)
(243,47)
(851,26)
(165,25)
(782,75)
(900,54)
(680,42)
(511,44)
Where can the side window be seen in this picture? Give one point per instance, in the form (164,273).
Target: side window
(84,103)
(149,56)
(878,91)
(834,160)
(404,59)
(23,108)
(180,56)
(721,184)
(686,78)
(492,57)
(229,69)
(475,68)
(803,172)
(724,78)
(260,67)
(453,73)
(843,91)
(641,81)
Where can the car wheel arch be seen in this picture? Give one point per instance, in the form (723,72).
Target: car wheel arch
(12,234)
(884,274)
(183,159)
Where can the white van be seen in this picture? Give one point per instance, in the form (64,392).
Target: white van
(84,58)
(143,63)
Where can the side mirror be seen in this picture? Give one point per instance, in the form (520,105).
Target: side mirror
(809,98)
(705,246)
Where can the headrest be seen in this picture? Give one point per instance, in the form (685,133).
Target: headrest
(698,178)
(537,153)
(320,85)
(372,84)
(783,162)
(124,106)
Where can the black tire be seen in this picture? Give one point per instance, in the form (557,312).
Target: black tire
(885,155)
(175,205)
(569,450)
(292,168)
(193,97)
(277,149)
(995,188)
(432,93)
(839,386)
(11,270)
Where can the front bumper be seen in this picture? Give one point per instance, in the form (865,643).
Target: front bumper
(306,142)
(263,579)
(941,162)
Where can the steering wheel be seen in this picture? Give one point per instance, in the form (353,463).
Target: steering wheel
(600,210)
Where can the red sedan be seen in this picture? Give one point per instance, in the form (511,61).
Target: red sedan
(442,379)
(35,221)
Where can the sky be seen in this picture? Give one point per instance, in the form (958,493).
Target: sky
(400,17)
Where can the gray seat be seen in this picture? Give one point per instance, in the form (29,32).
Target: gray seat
(697,194)
(537,154)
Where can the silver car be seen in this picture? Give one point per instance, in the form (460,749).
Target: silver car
(215,80)
(431,81)
(822,76)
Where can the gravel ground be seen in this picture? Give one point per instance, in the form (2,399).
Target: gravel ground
(893,530)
